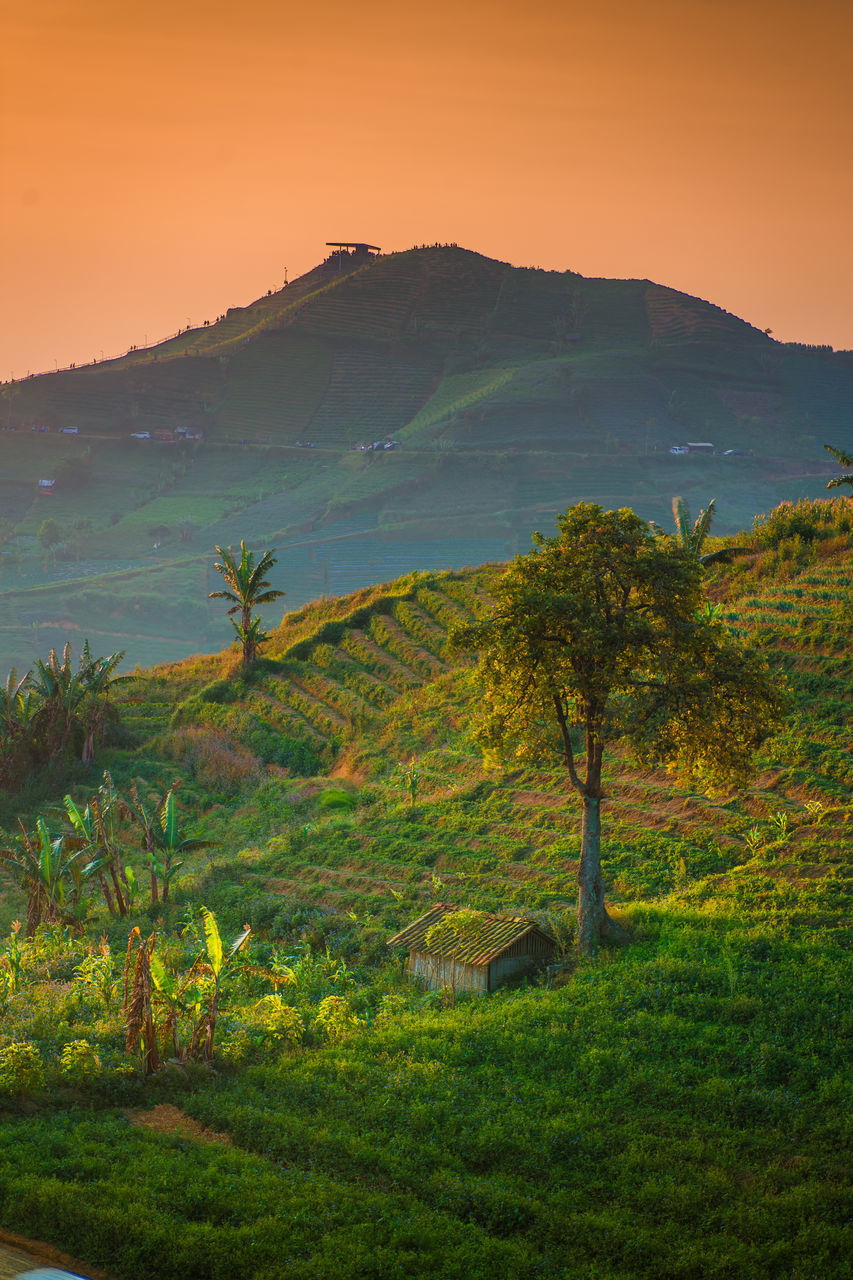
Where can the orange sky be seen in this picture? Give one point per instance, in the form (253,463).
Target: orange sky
(165,160)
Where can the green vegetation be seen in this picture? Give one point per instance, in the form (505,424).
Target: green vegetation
(55,711)
(600,628)
(247,588)
(846,460)
(679,1107)
(511,393)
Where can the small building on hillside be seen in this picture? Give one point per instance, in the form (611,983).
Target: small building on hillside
(700,446)
(472,950)
(46,486)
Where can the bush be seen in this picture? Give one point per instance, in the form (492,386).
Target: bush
(269,1027)
(217,763)
(79,1062)
(21,1067)
(335,1019)
(336,798)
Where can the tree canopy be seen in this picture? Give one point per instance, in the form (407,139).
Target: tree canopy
(602,629)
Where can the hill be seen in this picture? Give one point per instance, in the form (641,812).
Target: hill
(510,392)
(676,1109)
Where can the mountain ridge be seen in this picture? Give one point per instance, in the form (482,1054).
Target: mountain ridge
(511,392)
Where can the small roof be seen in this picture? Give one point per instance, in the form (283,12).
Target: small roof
(351,244)
(494,935)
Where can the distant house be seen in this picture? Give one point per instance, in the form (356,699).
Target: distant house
(703,447)
(477,955)
(46,486)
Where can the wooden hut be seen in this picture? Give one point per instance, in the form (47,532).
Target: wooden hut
(475,951)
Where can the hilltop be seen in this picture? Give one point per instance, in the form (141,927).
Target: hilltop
(676,1109)
(509,392)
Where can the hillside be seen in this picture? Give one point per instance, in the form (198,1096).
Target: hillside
(677,1109)
(510,391)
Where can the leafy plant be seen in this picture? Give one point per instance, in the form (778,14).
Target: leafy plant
(846,460)
(247,588)
(21,1067)
(42,865)
(600,627)
(79,1062)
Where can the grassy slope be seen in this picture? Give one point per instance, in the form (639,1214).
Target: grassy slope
(512,391)
(677,1110)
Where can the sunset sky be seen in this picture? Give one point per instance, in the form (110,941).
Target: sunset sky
(165,160)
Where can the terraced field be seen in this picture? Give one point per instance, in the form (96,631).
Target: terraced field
(677,1108)
(350,688)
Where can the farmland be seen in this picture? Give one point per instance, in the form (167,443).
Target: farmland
(676,1108)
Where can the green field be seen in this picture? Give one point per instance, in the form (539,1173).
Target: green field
(678,1108)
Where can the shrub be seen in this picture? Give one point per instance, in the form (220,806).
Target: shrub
(95,978)
(335,1019)
(214,761)
(79,1062)
(21,1068)
(269,1027)
(336,798)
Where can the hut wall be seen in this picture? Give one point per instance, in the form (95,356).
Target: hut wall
(507,966)
(438,971)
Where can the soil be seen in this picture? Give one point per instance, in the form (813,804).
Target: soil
(164,1118)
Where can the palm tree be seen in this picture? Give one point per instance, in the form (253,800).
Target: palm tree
(846,460)
(248,588)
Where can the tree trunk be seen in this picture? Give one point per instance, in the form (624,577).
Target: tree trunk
(105,890)
(591,911)
(594,924)
(120,903)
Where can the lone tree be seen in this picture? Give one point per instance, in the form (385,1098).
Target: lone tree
(248,588)
(601,629)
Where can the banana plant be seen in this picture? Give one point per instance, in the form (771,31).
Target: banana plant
(219,960)
(96,829)
(692,535)
(42,865)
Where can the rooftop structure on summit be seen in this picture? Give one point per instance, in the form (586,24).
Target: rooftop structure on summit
(355,245)
(349,254)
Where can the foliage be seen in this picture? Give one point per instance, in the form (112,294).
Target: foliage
(55,710)
(594,1129)
(600,627)
(691,537)
(846,460)
(21,1067)
(335,1019)
(265,1029)
(79,1062)
(42,864)
(247,588)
